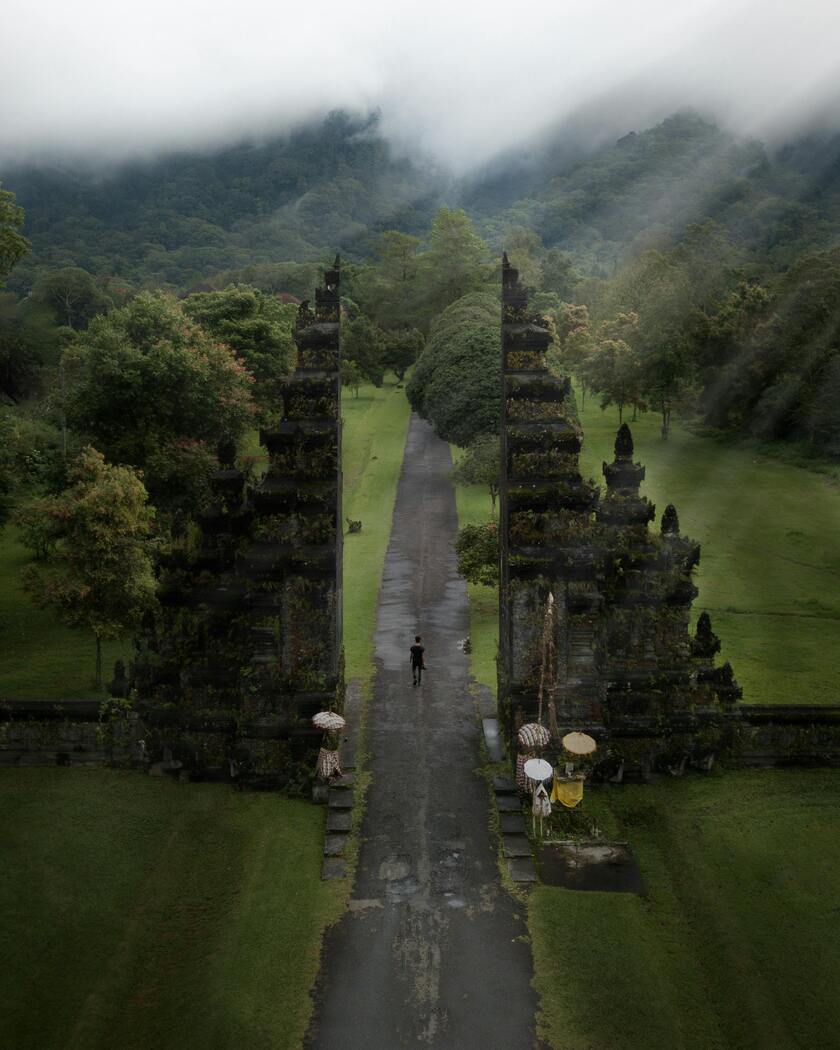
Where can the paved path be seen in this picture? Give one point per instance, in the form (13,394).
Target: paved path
(430,952)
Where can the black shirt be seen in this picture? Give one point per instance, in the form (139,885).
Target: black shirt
(417,655)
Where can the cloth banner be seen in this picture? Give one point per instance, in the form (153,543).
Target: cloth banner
(327,765)
(568,792)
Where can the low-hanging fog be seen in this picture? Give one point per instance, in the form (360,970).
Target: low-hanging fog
(458,80)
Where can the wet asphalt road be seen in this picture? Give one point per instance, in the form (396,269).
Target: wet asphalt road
(431,952)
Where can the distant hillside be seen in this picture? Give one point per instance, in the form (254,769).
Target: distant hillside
(645,188)
(180,218)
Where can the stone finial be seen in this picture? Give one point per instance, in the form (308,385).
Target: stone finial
(226,453)
(505,260)
(670,522)
(705,642)
(623,442)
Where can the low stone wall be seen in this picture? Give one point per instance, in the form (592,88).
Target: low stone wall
(42,732)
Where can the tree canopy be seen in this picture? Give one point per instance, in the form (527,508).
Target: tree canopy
(457,379)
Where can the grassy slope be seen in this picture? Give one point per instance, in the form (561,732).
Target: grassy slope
(146,913)
(737,943)
(375,427)
(39,658)
(770,567)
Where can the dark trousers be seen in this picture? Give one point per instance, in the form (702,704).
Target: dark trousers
(417,672)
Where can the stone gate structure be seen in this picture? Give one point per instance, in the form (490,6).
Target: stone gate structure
(248,646)
(622,662)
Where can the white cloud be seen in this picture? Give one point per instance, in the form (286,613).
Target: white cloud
(462,80)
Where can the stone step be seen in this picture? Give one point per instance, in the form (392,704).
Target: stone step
(333,868)
(521,869)
(508,804)
(511,824)
(339,820)
(492,739)
(335,844)
(346,780)
(341,798)
(516,845)
(504,785)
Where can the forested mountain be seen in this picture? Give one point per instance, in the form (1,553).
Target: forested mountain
(180,218)
(643,190)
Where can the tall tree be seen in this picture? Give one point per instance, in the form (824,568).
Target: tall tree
(146,381)
(13,245)
(97,575)
(456,263)
(481,465)
(257,327)
(72,294)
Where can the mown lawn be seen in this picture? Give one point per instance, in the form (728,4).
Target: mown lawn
(769,572)
(375,425)
(136,912)
(40,659)
(474,508)
(737,944)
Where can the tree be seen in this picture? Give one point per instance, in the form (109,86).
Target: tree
(351,376)
(481,466)
(97,575)
(145,382)
(362,341)
(402,348)
(524,250)
(13,245)
(613,371)
(456,263)
(457,379)
(29,341)
(477,549)
(72,295)
(257,327)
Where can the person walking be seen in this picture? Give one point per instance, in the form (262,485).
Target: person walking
(418,660)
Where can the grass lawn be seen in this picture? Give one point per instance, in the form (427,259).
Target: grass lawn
(374,432)
(42,660)
(146,913)
(39,658)
(473,502)
(770,567)
(737,944)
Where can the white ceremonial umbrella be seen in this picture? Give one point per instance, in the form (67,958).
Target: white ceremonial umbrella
(538,769)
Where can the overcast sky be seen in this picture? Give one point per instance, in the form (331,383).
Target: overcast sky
(461,80)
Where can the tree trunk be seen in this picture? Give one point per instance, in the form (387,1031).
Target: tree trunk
(620,413)
(98,679)
(494,491)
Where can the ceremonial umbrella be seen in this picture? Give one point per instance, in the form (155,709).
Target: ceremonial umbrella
(329,721)
(579,744)
(532,735)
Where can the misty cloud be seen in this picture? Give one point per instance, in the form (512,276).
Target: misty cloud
(461,81)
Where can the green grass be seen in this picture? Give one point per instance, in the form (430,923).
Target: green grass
(374,432)
(770,567)
(737,944)
(40,659)
(147,913)
(474,508)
